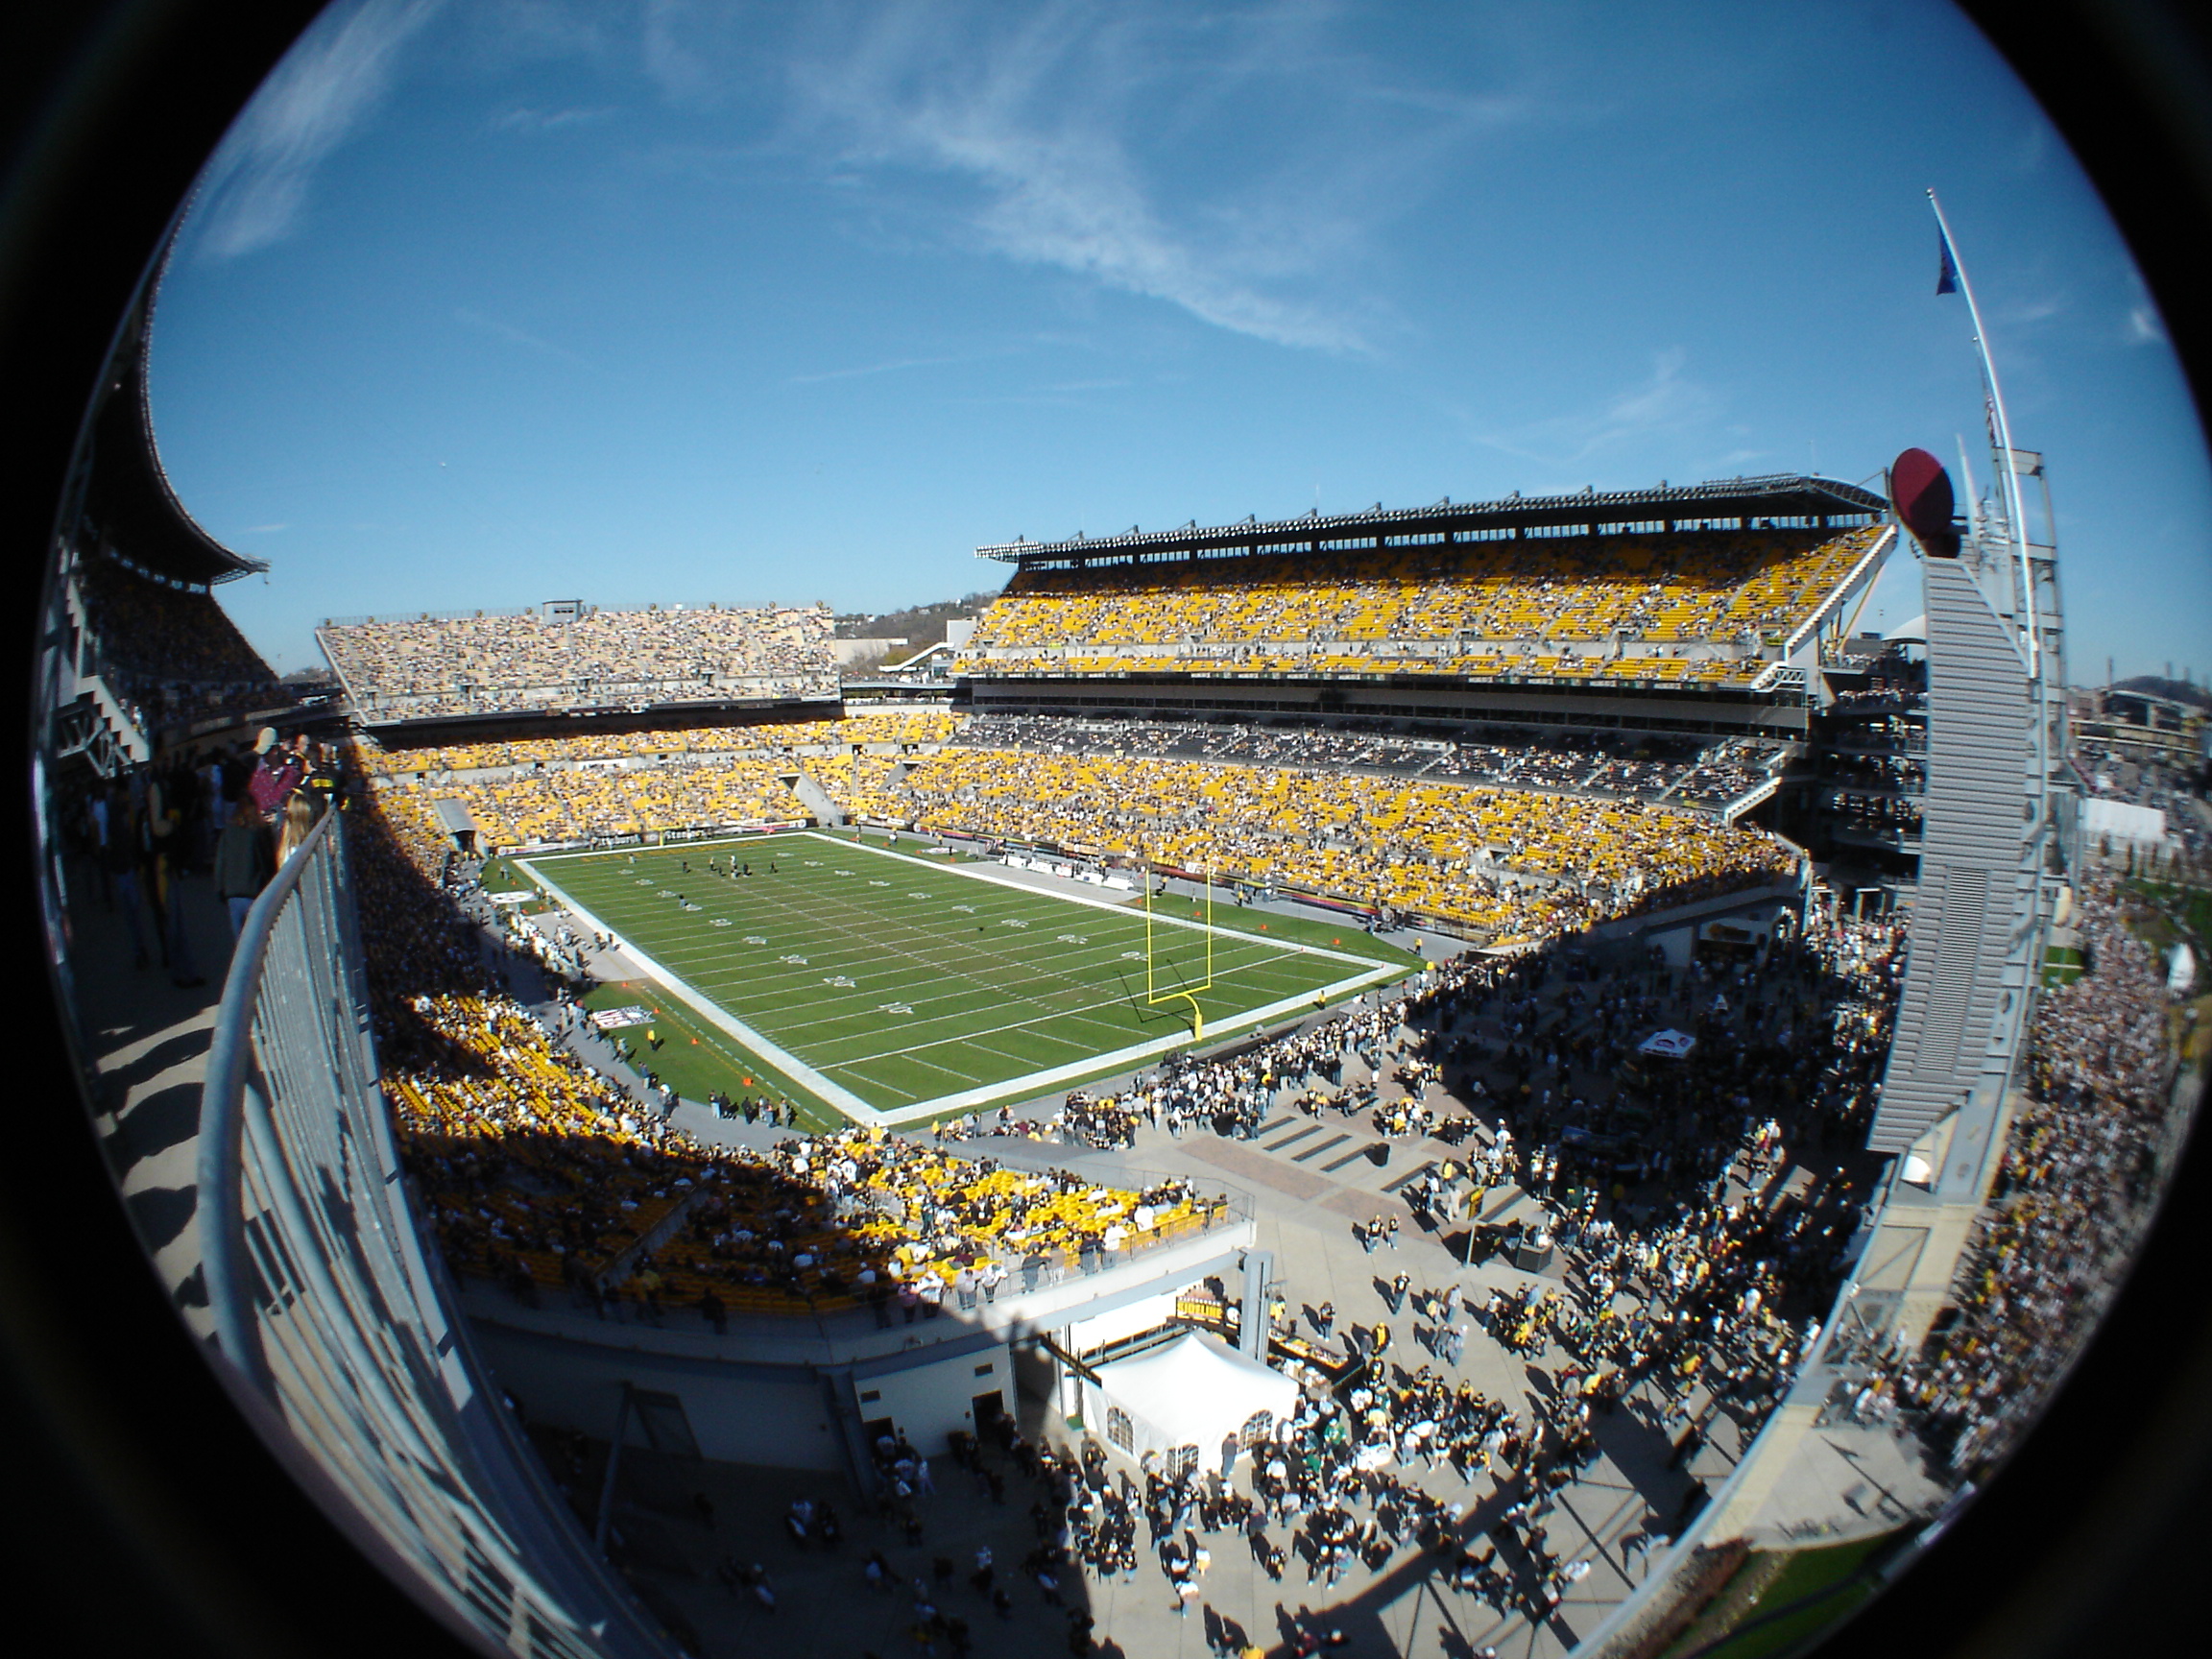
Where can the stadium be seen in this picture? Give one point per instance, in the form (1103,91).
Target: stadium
(1497,1065)
(764,1093)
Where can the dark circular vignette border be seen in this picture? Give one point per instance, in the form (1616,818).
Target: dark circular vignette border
(145,1517)
(2091,1539)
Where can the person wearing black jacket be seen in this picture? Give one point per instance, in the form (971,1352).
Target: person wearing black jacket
(242,861)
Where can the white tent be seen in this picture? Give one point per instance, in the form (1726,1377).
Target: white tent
(1668,1045)
(2122,821)
(1190,1392)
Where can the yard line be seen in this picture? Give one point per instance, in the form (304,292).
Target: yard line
(832,927)
(1242,948)
(917,1060)
(957,1016)
(968,1037)
(929,957)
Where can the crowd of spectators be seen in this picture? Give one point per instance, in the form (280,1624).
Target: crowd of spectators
(527,659)
(1900,773)
(167,653)
(164,631)
(1514,863)
(1699,1254)
(1881,696)
(232,811)
(901,727)
(883,1218)
(1727,771)
(1228,1097)
(1895,818)
(1696,605)
(538,1170)
(1511,864)
(1704,1207)
(1622,767)
(605,802)
(2083,1163)
(864,786)
(608,785)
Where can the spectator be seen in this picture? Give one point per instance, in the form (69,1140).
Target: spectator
(277,774)
(242,861)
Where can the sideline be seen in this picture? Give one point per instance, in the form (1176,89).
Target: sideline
(835,1094)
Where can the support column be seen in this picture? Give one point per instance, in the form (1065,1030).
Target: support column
(1252,1335)
(1070,1384)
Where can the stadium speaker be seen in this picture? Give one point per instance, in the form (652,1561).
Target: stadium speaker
(1921,490)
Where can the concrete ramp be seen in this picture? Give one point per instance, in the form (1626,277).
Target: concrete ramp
(817,799)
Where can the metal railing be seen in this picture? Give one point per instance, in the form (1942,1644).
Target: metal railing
(333,1329)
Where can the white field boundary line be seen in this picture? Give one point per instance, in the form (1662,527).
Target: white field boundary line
(929,948)
(973,874)
(1083,1013)
(916,1030)
(967,1099)
(1262,952)
(1235,938)
(1242,951)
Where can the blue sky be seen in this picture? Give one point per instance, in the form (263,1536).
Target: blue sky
(488,304)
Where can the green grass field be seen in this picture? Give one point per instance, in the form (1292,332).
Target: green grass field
(2062,965)
(882,982)
(1814,1589)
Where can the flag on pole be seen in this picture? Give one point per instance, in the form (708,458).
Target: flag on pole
(1947,272)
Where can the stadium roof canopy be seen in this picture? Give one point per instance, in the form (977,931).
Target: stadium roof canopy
(1779,500)
(127,495)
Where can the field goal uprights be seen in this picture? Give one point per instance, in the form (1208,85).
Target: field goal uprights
(1153,996)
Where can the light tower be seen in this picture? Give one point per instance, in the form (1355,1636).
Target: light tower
(1997,839)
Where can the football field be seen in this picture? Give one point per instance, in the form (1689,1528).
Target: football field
(894,986)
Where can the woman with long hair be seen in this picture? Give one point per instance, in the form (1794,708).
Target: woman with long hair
(298,819)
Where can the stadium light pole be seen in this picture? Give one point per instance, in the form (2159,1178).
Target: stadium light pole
(1999,434)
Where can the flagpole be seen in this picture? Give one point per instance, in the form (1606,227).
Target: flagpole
(2014,508)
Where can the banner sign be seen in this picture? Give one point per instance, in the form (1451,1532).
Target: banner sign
(613,1019)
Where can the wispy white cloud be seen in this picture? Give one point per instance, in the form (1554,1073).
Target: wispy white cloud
(524,120)
(2143,326)
(2024,313)
(500,330)
(1078,208)
(1666,402)
(696,49)
(1058,133)
(892,366)
(257,186)
(1056,189)
(264,529)
(1056,395)
(526,31)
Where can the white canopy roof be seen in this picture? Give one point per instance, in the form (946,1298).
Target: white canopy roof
(2122,821)
(1193,1392)
(1671,1044)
